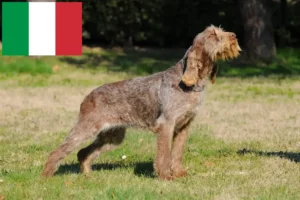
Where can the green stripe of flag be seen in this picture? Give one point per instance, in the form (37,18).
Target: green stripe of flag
(15,33)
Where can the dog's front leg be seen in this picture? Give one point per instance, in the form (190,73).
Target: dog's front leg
(179,141)
(162,164)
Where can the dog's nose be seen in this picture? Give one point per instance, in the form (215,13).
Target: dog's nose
(232,35)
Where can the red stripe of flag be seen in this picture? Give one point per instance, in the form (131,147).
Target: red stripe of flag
(68,28)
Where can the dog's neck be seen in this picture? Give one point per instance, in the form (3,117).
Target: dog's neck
(199,86)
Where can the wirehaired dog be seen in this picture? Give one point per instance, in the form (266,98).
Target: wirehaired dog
(165,102)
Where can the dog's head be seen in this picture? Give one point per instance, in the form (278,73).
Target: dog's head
(209,46)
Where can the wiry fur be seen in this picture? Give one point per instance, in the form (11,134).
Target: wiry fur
(164,102)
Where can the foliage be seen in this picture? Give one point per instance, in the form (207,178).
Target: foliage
(119,21)
(175,22)
(160,23)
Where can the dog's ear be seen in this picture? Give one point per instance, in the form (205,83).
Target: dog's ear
(190,75)
(214,72)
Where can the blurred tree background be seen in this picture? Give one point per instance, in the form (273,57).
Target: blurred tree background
(261,25)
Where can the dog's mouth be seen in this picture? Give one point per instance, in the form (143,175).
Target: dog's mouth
(233,41)
(230,52)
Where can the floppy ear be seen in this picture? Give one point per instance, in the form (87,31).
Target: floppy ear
(213,74)
(190,75)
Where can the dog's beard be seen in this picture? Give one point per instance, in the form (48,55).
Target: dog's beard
(229,52)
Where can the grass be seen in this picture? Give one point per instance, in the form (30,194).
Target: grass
(243,145)
(97,66)
(23,65)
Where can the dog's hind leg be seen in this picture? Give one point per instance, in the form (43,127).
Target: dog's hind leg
(106,141)
(84,129)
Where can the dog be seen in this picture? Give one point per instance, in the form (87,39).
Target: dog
(165,103)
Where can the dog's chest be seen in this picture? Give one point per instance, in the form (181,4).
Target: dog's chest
(192,104)
(184,120)
(195,100)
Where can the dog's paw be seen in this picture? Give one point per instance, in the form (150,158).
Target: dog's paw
(180,173)
(167,177)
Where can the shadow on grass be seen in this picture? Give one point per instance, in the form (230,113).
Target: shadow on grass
(144,169)
(292,156)
(148,61)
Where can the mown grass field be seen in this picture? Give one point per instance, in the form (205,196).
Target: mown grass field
(244,144)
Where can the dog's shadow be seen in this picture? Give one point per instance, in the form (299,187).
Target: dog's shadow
(292,156)
(142,169)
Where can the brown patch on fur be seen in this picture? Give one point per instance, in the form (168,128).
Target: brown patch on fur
(87,106)
(164,102)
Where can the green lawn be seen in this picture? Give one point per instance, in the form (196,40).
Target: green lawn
(245,143)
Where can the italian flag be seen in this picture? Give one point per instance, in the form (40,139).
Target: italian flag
(41,28)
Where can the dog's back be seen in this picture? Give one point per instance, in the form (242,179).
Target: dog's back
(133,102)
(140,101)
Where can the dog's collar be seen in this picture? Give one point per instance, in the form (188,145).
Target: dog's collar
(198,88)
(193,88)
